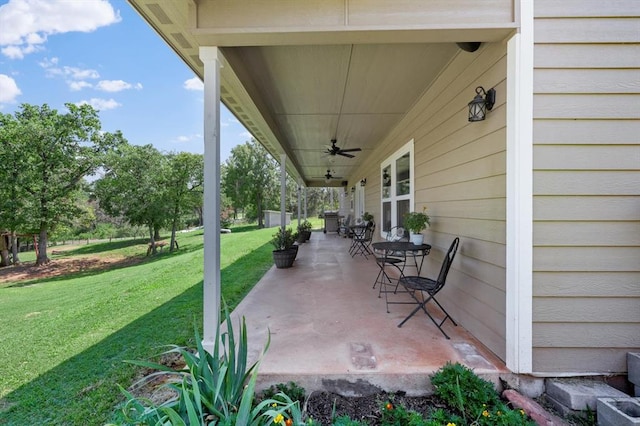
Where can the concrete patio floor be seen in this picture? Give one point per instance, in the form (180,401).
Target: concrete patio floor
(330,331)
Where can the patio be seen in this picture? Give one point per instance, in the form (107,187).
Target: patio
(330,331)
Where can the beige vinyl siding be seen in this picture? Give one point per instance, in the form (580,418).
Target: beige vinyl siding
(586,133)
(460,172)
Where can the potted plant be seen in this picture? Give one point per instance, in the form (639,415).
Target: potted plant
(416,222)
(284,253)
(304,230)
(367,217)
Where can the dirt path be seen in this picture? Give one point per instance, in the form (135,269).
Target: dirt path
(63,266)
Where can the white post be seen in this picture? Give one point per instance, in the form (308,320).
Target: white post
(283,190)
(299,203)
(519,253)
(305,203)
(211,287)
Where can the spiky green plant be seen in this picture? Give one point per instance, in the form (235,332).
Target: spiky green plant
(212,388)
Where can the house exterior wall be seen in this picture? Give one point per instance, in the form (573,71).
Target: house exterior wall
(586,185)
(460,176)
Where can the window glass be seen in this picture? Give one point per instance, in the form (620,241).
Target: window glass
(403,183)
(386,182)
(402,207)
(386,216)
(396,174)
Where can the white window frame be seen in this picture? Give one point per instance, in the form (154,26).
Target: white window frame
(358,210)
(391,161)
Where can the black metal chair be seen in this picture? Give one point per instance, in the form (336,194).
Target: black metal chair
(362,240)
(395,259)
(343,228)
(431,287)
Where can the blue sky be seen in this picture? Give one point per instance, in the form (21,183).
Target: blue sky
(101,52)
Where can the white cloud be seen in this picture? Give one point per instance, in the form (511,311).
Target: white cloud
(26,24)
(194,84)
(78,85)
(101,104)
(189,138)
(116,85)
(9,90)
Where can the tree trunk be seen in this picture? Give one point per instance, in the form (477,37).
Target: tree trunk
(4,251)
(15,248)
(156,233)
(259,211)
(174,225)
(42,258)
(152,242)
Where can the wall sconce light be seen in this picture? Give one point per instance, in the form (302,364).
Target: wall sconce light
(363,182)
(353,189)
(479,105)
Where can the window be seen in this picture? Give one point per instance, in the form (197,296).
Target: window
(397,187)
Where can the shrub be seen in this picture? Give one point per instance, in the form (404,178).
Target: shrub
(474,398)
(283,238)
(212,388)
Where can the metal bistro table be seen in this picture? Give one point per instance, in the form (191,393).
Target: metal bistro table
(387,248)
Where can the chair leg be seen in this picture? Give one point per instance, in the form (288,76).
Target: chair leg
(422,305)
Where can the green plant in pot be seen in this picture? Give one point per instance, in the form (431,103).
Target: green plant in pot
(285,253)
(304,231)
(367,217)
(415,222)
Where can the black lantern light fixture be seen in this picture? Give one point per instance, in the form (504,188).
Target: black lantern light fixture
(363,182)
(479,105)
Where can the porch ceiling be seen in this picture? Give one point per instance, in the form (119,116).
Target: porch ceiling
(296,90)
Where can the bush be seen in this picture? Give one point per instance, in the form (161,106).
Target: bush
(474,398)
(212,388)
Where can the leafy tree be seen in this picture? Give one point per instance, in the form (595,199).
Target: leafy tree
(133,186)
(56,152)
(183,187)
(251,178)
(12,196)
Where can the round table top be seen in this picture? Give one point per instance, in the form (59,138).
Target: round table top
(400,246)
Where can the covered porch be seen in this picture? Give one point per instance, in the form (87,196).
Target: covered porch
(330,330)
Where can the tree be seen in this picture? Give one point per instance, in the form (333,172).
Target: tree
(56,152)
(132,186)
(183,186)
(12,196)
(251,178)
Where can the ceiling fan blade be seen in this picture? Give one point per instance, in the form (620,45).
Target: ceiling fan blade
(351,150)
(345,154)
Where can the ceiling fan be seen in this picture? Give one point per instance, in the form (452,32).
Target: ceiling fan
(328,176)
(336,150)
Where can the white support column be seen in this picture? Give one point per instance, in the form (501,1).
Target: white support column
(283,190)
(299,203)
(305,203)
(519,298)
(211,287)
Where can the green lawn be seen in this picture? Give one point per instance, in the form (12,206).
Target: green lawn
(63,340)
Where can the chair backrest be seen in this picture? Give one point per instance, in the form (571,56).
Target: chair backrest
(397,233)
(369,230)
(446,264)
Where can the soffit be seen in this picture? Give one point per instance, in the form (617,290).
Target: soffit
(295,89)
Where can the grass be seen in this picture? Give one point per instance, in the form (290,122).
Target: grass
(64,339)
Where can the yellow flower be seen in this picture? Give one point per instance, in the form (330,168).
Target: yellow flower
(451,424)
(279,419)
(274,405)
(522,412)
(485,413)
